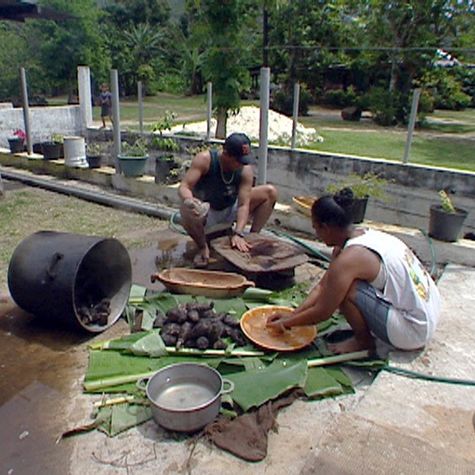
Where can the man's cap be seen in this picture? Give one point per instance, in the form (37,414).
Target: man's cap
(238,146)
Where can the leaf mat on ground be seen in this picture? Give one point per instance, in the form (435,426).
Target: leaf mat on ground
(257,378)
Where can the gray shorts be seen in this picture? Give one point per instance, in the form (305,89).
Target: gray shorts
(375,310)
(222,219)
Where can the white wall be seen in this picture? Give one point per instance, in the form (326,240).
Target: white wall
(44,121)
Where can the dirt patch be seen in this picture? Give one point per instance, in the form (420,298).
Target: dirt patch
(27,210)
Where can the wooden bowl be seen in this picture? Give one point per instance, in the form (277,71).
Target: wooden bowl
(304,204)
(206,283)
(253,324)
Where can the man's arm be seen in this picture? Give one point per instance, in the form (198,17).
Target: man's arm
(244,200)
(199,167)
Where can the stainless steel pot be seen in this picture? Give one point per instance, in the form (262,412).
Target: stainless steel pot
(185,397)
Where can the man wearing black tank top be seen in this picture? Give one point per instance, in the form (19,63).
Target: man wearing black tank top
(217,191)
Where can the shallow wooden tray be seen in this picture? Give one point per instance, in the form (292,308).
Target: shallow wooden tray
(253,324)
(267,254)
(206,283)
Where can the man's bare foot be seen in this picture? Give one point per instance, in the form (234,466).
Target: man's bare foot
(349,346)
(201,259)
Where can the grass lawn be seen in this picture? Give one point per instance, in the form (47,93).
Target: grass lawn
(428,150)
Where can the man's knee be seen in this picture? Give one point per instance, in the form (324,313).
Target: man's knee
(264,193)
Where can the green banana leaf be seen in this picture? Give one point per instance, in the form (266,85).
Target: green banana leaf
(320,383)
(255,387)
(121,417)
(150,345)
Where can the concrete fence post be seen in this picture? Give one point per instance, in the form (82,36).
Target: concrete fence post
(295,116)
(412,122)
(209,109)
(26,111)
(116,116)
(85,97)
(140,101)
(263,126)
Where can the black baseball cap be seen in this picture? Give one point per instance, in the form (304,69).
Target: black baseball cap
(238,146)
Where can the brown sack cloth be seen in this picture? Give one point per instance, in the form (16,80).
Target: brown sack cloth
(246,435)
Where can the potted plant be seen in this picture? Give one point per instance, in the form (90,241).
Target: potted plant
(359,188)
(93,155)
(165,162)
(17,141)
(446,220)
(133,158)
(53,149)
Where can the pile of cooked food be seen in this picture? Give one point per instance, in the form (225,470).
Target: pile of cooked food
(197,325)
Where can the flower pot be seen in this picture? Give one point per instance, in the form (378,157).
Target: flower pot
(51,150)
(37,148)
(132,166)
(446,226)
(94,161)
(17,145)
(358,209)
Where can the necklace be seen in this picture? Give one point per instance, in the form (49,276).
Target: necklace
(222,176)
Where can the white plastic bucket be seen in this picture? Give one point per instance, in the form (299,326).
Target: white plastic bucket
(75,152)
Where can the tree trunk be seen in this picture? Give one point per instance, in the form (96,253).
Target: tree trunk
(222,117)
(394,74)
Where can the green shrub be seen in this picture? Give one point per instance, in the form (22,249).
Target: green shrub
(282,100)
(383,105)
(362,186)
(340,97)
(172,83)
(446,89)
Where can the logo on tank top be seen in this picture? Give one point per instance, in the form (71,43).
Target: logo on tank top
(418,274)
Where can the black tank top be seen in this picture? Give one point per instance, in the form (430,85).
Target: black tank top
(220,189)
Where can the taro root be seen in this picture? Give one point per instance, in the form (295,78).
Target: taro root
(230,320)
(171,329)
(237,337)
(219,345)
(193,316)
(202,343)
(209,328)
(177,315)
(97,314)
(168,339)
(184,334)
(160,319)
(200,307)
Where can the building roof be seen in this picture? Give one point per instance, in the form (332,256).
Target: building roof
(19,10)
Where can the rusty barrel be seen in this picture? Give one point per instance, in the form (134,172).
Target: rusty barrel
(58,276)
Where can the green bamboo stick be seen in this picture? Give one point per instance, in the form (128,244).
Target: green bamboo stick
(115,381)
(357,355)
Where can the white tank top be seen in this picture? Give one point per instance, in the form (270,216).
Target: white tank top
(409,287)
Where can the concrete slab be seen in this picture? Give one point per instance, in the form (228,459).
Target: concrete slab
(407,425)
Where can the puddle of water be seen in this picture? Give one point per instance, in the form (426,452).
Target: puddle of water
(171,250)
(38,364)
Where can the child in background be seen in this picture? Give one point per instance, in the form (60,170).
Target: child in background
(105,101)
